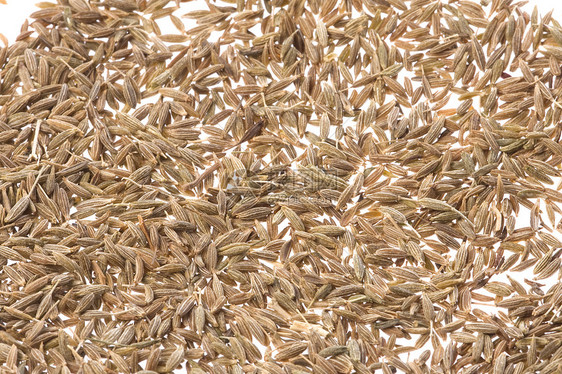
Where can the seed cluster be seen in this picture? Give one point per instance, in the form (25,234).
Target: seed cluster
(290,186)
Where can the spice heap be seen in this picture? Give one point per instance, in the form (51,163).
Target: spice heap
(288,186)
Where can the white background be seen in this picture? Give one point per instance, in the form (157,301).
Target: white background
(13,15)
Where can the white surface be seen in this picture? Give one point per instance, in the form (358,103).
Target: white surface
(13,15)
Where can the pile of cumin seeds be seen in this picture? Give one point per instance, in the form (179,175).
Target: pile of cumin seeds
(286,186)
